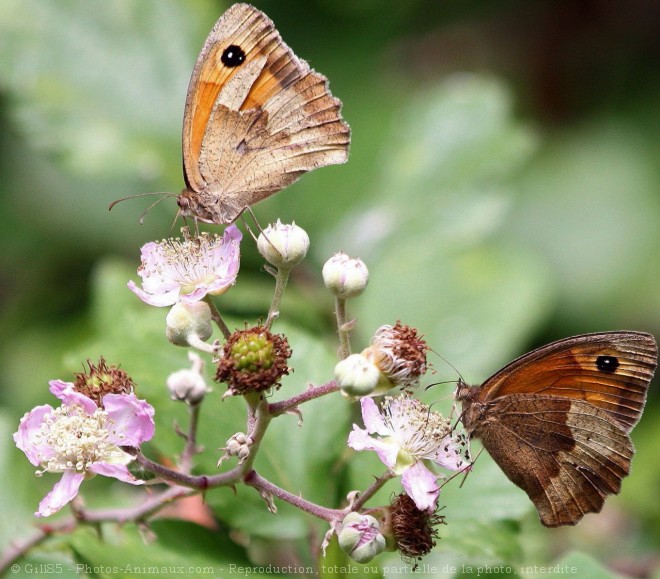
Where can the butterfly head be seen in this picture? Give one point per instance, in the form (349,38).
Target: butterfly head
(464,392)
(190,207)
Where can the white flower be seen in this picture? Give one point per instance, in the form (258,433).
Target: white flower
(80,439)
(409,433)
(175,271)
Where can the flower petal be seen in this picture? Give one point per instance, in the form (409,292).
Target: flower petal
(167,298)
(373,419)
(132,420)
(448,455)
(118,471)
(26,438)
(70,397)
(62,493)
(359,439)
(421,485)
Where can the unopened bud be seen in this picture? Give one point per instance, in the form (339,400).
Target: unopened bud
(188,385)
(346,277)
(188,322)
(360,537)
(356,376)
(283,245)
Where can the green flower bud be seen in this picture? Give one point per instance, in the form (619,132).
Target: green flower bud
(188,322)
(360,537)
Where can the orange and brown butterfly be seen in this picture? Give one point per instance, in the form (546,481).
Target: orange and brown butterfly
(256,118)
(557,420)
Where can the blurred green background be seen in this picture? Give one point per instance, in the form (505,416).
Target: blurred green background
(503,187)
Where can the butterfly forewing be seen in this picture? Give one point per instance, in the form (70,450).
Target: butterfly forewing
(256,118)
(610,370)
(241,26)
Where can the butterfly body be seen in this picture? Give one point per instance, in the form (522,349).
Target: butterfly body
(557,420)
(256,118)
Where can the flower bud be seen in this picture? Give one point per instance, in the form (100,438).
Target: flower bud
(188,385)
(360,537)
(238,445)
(356,376)
(346,277)
(283,245)
(189,320)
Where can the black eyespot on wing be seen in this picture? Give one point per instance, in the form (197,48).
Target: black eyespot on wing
(607,364)
(233,56)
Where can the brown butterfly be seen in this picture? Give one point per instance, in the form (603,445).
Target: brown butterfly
(256,118)
(557,420)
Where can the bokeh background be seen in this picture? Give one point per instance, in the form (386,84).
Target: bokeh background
(503,188)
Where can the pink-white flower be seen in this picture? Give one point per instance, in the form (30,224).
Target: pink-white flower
(408,434)
(176,270)
(80,439)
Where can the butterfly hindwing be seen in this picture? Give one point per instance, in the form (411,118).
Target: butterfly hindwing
(567,457)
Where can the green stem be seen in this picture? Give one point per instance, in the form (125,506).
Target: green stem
(217,318)
(342,328)
(281,279)
(259,418)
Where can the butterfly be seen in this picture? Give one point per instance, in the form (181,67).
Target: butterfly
(557,420)
(256,118)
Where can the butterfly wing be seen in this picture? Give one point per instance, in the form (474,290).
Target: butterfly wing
(253,127)
(609,370)
(567,455)
(557,420)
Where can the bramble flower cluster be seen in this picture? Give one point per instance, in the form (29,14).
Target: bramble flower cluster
(100,426)
(82,438)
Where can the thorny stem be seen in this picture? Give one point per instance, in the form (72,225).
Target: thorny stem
(191,449)
(342,328)
(372,490)
(217,318)
(311,393)
(258,420)
(281,279)
(258,482)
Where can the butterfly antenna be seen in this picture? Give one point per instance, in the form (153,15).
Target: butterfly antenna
(439,383)
(144,213)
(164,193)
(454,368)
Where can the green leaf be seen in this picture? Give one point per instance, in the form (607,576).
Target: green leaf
(173,549)
(573,563)
(434,241)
